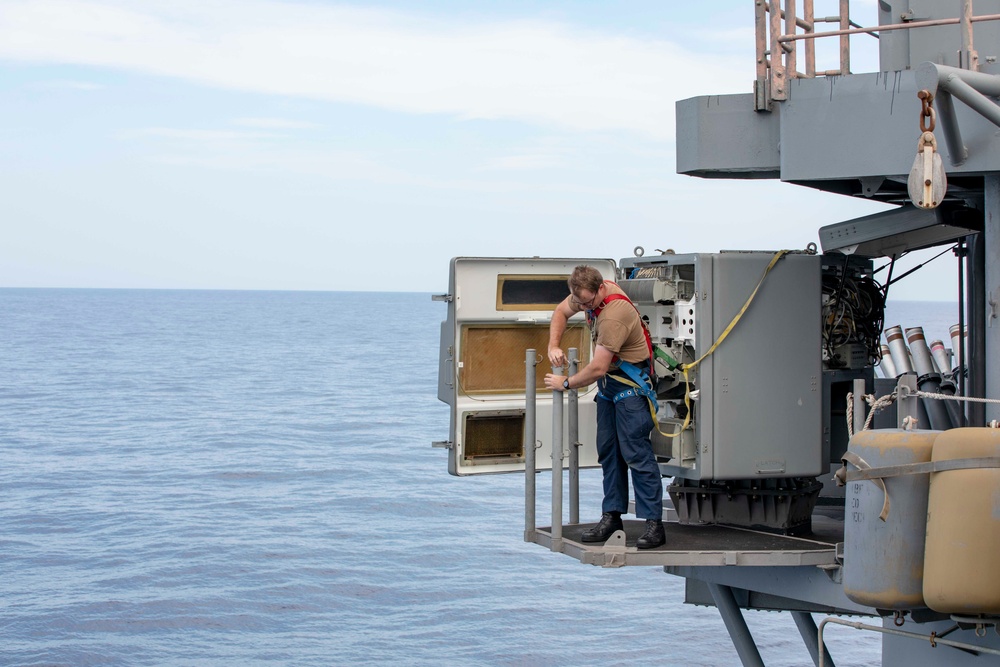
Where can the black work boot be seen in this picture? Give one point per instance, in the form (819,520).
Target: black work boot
(610,522)
(653,537)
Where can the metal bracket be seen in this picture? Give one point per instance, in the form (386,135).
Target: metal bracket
(614,550)
(443,444)
(616,543)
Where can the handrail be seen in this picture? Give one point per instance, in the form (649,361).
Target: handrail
(531,360)
(885,28)
(776,29)
(573,437)
(933,638)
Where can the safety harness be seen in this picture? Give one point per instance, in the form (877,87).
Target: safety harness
(639,380)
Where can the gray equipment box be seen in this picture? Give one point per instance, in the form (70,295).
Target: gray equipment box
(757,410)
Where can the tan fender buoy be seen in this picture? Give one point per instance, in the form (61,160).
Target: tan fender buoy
(883,560)
(963,527)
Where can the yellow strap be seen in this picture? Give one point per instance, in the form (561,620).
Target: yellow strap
(686,367)
(774,260)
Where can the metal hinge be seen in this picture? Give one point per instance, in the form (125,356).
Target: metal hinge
(442,297)
(443,444)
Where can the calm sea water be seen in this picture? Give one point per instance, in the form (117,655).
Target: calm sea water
(243,478)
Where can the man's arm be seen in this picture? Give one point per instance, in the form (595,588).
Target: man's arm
(560,316)
(589,374)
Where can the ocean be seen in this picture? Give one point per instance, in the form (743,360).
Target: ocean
(247,478)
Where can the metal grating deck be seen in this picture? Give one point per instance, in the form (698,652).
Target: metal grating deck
(710,545)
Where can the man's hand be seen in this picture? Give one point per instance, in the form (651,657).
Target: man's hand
(557,357)
(555,382)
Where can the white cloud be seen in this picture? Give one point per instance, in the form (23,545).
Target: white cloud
(62,84)
(529,71)
(199,136)
(526,162)
(275,123)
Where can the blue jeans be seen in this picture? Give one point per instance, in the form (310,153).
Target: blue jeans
(623,443)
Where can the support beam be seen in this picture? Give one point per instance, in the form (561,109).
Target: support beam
(991,238)
(746,648)
(810,636)
(976,308)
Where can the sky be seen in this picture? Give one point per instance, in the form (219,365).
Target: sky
(319,145)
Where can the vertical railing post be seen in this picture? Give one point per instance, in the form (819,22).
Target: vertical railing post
(530,361)
(845,40)
(791,29)
(810,45)
(906,402)
(762,94)
(858,396)
(778,83)
(557,463)
(573,436)
(969,57)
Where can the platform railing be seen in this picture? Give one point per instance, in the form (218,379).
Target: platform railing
(777,46)
(531,360)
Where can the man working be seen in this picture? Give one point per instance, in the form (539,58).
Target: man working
(624,421)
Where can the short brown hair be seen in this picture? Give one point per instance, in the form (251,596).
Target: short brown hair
(586,278)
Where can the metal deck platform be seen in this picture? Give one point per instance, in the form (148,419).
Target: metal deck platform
(710,545)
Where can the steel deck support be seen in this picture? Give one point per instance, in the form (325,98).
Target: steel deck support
(810,636)
(746,648)
(991,245)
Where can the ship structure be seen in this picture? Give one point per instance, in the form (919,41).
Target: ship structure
(817,462)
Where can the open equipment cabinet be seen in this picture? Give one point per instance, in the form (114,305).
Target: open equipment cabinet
(497,309)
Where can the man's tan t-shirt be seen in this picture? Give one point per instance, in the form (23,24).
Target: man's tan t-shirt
(619,329)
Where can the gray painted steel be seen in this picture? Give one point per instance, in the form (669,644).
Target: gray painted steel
(814,589)
(720,136)
(992,277)
(557,464)
(741,383)
(573,437)
(810,637)
(822,142)
(530,436)
(897,231)
(736,625)
(904,49)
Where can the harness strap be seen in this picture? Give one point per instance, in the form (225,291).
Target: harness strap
(638,380)
(645,331)
(639,384)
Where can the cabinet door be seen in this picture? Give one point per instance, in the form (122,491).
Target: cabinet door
(498,308)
